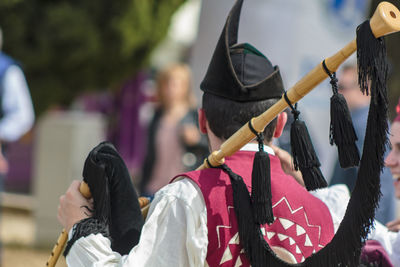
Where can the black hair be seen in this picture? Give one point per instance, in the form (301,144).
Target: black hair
(226,116)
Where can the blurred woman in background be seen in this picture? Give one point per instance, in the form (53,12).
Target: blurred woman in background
(174,142)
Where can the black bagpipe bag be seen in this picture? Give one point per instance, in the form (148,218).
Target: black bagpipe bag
(116,212)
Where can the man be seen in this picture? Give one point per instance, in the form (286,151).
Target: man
(358,104)
(16,110)
(192,221)
(393,162)
(16,113)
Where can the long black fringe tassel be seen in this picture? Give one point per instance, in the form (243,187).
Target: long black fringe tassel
(304,156)
(243,208)
(371,58)
(341,130)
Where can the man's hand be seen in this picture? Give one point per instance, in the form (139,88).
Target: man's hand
(287,164)
(73,206)
(394,226)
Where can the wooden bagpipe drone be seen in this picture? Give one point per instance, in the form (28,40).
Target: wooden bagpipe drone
(344,248)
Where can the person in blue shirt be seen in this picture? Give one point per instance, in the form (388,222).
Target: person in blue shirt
(16,109)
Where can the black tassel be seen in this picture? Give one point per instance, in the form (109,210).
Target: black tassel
(371,59)
(341,130)
(261,196)
(251,239)
(243,208)
(261,189)
(372,77)
(304,156)
(372,71)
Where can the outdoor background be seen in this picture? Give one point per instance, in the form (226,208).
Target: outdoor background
(91,65)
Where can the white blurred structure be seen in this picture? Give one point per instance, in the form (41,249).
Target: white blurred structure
(63,141)
(181,35)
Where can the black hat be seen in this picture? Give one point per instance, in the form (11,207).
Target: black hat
(239,71)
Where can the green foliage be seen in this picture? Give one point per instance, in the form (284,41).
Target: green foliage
(66,47)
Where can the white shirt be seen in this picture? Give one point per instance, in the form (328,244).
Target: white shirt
(175,234)
(178,213)
(18,115)
(337,197)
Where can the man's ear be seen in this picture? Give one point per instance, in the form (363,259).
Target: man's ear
(280,124)
(202,121)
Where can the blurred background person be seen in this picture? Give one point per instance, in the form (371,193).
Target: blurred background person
(358,104)
(16,110)
(392,161)
(16,113)
(174,141)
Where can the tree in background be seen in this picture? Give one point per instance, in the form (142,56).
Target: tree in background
(67,47)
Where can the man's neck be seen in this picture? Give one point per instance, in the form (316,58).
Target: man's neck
(254,148)
(215,143)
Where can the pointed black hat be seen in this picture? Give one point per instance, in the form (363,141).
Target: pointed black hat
(239,71)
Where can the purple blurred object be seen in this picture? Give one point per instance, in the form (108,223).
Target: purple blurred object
(122,111)
(373,252)
(19,176)
(96,102)
(127,133)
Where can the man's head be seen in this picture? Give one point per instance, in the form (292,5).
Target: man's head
(224,116)
(240,83)
(348,87)
(393,159)
(173,86)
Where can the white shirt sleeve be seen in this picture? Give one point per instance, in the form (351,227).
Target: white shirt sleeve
(337,197)
(175,234)
(390,241)
(18,114)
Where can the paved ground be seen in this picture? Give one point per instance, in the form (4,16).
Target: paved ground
(17,234)
(27,257)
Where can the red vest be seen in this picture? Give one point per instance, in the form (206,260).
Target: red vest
(302,226)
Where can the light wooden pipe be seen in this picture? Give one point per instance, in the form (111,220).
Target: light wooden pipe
(385,20)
